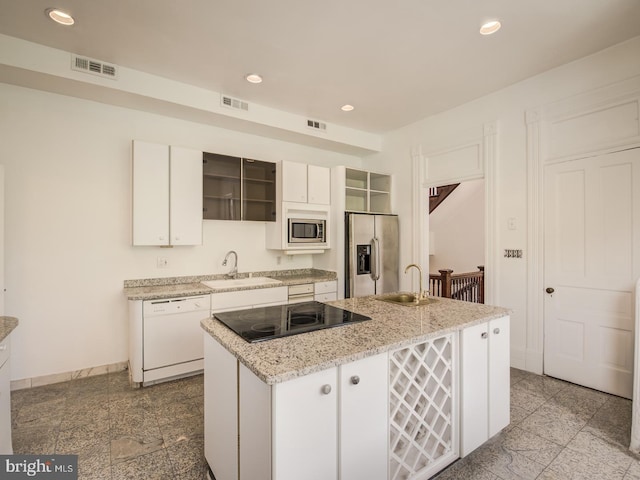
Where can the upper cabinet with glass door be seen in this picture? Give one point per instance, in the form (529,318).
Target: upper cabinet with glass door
(258,190)
(237,188)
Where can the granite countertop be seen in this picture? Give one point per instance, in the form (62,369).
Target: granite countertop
(391,327)
(7,325)
(155,288)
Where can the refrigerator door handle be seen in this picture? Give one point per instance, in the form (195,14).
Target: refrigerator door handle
(375,253)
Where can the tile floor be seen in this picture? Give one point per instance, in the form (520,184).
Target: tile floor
(558,431)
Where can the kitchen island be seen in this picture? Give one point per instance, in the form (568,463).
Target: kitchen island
(377,399)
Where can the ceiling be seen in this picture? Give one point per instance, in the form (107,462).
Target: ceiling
(396,62)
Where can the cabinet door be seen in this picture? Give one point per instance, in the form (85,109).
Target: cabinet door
(305,444)
(474,401)
(363,411)
(150,194)
(294,182)
(258,190)
(318,185)
(185,212)
(221,186)
(499,375)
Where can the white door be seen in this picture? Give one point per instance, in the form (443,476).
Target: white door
(592,258)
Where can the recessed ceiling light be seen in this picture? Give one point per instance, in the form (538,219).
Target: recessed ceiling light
(347,108)
(63,18)
(253,78)
(490,27)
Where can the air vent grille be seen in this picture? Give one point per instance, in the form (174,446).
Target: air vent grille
(95,67)
(316,125)
(234,103)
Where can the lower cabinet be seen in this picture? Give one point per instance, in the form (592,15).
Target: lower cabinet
(485,375)
(332,424)
(5,399)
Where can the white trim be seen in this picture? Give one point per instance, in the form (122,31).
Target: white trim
(66,376)
(420,223)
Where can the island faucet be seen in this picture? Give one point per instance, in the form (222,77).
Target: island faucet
(233,273)
(419,295)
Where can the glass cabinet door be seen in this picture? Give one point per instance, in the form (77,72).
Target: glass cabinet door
(258,190)
(220,187)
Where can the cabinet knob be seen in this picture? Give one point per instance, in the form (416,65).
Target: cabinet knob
(355,379)
(3,347)
(326,389)
(496,331)
(484,335)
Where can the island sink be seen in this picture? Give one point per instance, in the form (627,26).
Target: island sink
(406,299)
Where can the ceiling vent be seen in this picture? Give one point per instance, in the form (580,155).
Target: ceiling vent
(95,67)
(317,125)
(226,101)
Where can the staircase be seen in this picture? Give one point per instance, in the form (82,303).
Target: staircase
(438,194)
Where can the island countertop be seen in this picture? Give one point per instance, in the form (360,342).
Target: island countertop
(7,325)
(391,326)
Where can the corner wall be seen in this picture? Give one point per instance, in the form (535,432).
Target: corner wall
(507,108)
(68,223)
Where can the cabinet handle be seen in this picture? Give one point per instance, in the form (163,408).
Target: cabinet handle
(496,331)
(484,335)
(326,389)
(355,379)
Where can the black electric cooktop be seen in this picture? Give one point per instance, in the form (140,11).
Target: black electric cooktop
(265,323)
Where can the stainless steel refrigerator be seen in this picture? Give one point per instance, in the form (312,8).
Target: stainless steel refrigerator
(372,245)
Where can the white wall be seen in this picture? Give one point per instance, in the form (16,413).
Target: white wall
(456,230)
(506,107)
(68,223)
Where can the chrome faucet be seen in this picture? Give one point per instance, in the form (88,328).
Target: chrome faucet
(419,295)
(233,273)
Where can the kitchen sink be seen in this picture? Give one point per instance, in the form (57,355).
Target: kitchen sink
(406,299)
(240,282)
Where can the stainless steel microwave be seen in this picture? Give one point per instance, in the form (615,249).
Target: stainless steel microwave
(303,230)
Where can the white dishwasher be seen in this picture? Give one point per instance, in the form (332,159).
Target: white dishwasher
(172,336)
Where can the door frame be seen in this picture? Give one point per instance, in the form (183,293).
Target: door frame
(618,102)
(471,158)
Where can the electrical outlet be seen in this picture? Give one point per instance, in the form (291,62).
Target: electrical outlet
(162,262)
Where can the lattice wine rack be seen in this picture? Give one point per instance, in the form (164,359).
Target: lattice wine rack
(421,403)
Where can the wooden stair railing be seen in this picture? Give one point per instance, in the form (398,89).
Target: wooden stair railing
(468,287)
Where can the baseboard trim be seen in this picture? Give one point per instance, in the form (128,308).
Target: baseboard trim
(66,376)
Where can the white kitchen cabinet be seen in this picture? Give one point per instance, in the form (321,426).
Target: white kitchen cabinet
(326,291)
(5,398)
(327,425)
(318,185)
(304,423)
(304,183)
(485,378)
(167,195)
(363,419)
